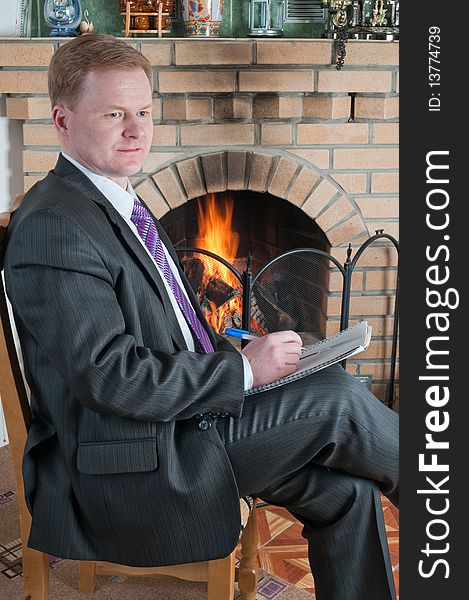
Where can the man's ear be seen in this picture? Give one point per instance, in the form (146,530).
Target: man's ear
(60,118)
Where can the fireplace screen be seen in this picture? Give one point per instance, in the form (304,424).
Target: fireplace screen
(290,292)
(268,285)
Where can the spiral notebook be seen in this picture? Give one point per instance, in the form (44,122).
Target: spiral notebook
(333,349)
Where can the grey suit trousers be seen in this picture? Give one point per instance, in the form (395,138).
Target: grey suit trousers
(324,447)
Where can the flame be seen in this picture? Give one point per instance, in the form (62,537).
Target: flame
(216,235)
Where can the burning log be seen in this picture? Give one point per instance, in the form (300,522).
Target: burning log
(194,269)
(226,315)
(275,317)
(258,322)
(219,292)
(232,319)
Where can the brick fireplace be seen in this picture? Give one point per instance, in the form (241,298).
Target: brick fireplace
(269,118)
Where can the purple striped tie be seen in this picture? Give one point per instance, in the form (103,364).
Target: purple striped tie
(147,231)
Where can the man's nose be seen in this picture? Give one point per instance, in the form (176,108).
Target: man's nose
(132,127)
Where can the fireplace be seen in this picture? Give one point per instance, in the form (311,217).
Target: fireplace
(289,293)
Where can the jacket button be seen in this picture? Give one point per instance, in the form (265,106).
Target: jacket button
(205,424)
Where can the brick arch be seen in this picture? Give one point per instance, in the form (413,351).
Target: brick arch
(281,175)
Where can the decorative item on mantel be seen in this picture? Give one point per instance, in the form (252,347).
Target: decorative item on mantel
(63,16)
(361,19)
(16,19)
(202,18)
(266,18)
(86,26)
(366,19)
(338,23)
(147,16)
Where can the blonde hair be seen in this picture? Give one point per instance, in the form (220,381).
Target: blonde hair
(73,61)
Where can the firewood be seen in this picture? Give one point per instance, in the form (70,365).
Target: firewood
(276,318)
(194,269)
(219,292)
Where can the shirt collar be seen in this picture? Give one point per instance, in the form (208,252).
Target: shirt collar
(122,200)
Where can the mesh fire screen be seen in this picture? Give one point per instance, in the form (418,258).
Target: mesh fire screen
(290,292)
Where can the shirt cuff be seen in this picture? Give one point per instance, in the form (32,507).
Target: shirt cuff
(248,378)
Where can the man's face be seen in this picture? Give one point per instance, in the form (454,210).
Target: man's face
(110,129)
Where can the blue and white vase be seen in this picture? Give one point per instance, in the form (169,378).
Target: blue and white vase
(63,16)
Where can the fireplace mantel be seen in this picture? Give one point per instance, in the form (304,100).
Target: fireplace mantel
(271,115)
(242,51)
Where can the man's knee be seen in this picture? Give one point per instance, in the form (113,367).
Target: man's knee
(354,400)
(345,496)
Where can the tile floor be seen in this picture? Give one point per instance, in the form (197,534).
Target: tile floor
(283,552)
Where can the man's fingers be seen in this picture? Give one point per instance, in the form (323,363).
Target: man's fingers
(292,354)
(273,356)
(287,336)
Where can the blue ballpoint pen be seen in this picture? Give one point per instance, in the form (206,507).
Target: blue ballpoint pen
(240,333)
(243,334)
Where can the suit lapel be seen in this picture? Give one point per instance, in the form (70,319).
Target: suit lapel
(85,187)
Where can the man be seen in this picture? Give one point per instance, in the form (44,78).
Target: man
(141,429)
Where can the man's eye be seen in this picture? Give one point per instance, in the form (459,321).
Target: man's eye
(144,113)
(114,115)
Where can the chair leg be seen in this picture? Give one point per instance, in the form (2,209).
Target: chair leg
(35,574)
(221,576)
(87,577)
(248,568)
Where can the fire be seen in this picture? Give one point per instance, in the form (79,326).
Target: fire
(216,235)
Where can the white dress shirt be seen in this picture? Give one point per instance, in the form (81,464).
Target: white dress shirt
(123,201)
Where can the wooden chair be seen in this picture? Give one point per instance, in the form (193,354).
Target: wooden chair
(219,574)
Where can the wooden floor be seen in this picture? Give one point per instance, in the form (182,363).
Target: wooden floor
(283,551)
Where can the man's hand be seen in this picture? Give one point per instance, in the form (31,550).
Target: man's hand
(273,356)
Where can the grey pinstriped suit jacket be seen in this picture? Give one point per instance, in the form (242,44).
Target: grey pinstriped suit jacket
(116,467)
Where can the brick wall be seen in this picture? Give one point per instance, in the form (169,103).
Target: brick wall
(265,115)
